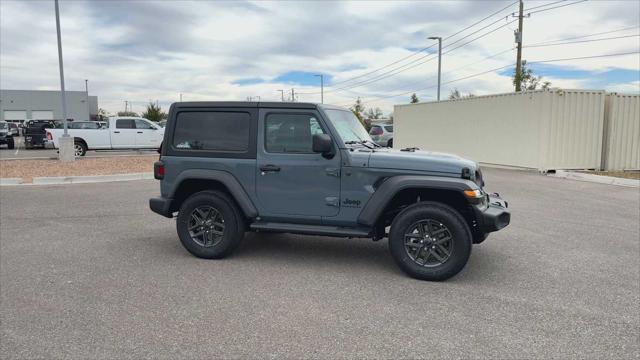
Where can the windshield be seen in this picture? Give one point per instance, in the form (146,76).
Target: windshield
(3,126)
(348,126)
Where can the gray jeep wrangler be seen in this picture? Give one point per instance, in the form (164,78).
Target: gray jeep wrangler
(230,167)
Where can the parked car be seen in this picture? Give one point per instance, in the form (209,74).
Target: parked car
(162,123)
(382,134)
(13,129)
(35,134)
(5,135)
(230,167)
(122,133)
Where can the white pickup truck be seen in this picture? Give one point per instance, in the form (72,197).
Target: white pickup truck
(120,133)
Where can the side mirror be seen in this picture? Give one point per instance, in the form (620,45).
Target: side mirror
(322,144)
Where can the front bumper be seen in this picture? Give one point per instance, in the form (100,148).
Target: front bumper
(495,216)
(161,206)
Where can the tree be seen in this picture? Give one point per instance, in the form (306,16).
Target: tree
(455,95)
(527,79)
(154,112)
(414,98)
(374,113)
(127,113)
(358,110)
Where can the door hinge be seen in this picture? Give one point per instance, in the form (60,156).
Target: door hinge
(332,201)
(333,172)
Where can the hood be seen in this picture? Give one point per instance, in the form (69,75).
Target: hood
(418,160)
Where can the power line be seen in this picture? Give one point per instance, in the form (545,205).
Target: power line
(428,47)
(544,5)
(585,36)
(413,64)
(556,7)
(503,67)
(583,41)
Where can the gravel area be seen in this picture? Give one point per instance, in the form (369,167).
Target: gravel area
(28,169)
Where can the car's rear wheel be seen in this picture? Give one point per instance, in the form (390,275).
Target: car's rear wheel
(390,143)
(79,148)
(430,241)
(11,144)
(210,225)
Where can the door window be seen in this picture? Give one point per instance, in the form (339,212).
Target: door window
(141,124)
(291,133)
(125,124)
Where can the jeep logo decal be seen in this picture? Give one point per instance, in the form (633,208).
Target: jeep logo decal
(351,203)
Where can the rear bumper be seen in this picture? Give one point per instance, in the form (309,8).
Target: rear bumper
(496,216)
(161,206)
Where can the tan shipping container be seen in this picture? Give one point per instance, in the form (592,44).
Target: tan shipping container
(621,149)
(543,129)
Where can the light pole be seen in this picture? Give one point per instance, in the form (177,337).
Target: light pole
(321,88)
(66,148)
(439,60)
(281,95)
(86,89)
(180,97)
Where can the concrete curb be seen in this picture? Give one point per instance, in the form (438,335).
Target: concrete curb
(600,179)
(10,181)
(61,180)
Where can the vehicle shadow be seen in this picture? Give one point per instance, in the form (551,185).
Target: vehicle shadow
(305,250)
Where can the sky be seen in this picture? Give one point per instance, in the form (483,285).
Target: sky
(142,51)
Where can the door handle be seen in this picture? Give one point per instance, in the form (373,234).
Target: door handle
(139,132)
(269,168)
(116,132)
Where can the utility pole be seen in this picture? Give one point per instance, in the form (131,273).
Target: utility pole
(519,41)
(86,89)
(180,97)
(281,95)
(125,106)
(61,65)
(321,88)
(293,95)
(439,61)
(66,151)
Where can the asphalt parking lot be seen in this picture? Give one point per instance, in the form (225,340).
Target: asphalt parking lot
(87,271)
(19,152)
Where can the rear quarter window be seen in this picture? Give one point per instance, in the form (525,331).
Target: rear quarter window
(212,131)
(389,128)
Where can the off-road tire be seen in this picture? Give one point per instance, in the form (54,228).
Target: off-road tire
(445,215)
(233,224)
(11,144)
(390,143)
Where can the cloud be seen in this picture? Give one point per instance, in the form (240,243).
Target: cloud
(211,50)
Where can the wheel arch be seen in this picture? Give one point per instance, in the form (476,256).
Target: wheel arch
(397,192)
(192,181)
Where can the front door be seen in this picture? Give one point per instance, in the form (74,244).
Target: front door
(124,135)
(147,136)
(292,180)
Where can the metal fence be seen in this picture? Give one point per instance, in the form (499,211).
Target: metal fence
(543,129)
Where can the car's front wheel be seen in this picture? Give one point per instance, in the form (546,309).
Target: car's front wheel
(210,225)
(430,241)
(11,144)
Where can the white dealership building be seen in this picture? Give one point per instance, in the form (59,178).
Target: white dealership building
(20,105)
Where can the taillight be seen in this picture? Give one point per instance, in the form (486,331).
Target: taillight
(376,131)
(49,137)
(158,170)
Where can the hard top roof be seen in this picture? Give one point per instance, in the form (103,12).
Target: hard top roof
(255,104)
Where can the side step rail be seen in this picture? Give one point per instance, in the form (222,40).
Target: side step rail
(323,230)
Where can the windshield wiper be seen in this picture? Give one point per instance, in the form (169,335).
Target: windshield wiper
(360,142)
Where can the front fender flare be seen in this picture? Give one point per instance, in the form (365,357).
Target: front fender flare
(393,185)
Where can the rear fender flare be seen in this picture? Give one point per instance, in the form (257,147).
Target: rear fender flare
(229,181)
